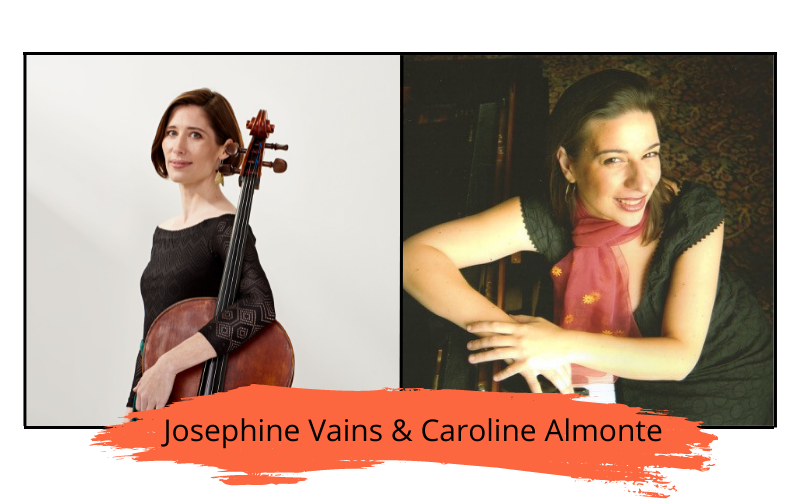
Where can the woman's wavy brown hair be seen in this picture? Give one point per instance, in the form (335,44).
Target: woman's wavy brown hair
(219,114)
(605,95)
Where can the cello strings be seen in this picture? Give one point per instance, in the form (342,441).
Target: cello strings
(233,266)
(230,273)
(239,236)
(215,366)
(247,206)
(236,242)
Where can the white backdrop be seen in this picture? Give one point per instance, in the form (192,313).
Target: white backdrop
(327,229)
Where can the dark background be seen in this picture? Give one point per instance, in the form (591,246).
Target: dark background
(719,131)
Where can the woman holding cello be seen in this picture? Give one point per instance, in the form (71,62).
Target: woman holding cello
(189,250)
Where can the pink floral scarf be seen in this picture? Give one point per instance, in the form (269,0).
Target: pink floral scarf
(590,284)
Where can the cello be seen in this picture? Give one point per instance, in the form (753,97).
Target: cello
(267,358)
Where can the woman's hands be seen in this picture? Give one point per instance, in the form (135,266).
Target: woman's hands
(535,344)
(560,377)
(155,386)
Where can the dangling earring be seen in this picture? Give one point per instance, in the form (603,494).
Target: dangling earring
(219,179)
(566,191)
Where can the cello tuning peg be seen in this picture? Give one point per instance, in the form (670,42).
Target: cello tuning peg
(233,149)
(283,147)
(278,166)
(228,170)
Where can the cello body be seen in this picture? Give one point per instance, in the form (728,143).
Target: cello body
(266,359)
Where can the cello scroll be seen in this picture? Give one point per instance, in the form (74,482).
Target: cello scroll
(260,128)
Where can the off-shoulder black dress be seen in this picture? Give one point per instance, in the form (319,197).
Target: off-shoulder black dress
(732,383)
(188,263)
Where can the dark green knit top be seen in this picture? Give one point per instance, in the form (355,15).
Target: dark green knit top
(732,383)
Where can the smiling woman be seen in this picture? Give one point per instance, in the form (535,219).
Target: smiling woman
(189,250)
(638,289)
(189,141)
(209,114)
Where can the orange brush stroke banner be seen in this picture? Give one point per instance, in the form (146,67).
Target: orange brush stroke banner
(258,433)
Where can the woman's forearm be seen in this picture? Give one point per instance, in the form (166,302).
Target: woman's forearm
(435,282)
(192,351)
(651,358)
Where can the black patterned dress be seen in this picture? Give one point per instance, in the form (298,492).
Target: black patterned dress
(188,263)
(732,383)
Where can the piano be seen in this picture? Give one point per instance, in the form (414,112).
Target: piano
(473,135)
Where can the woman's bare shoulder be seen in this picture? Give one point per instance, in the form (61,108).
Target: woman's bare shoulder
(168,224)
(177,223)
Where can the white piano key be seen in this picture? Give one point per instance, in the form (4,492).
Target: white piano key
(599,393)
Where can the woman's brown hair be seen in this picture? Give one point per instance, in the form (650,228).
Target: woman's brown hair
(604,95)
(220,115)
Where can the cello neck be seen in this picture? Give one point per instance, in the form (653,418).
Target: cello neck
(213,377)
(233,262)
